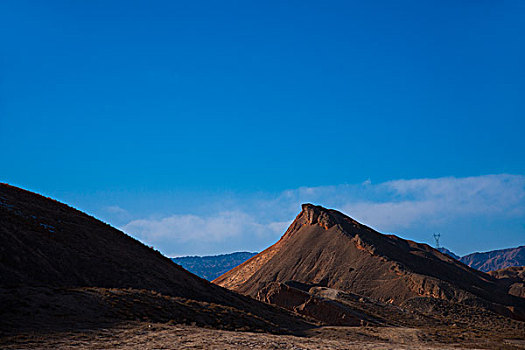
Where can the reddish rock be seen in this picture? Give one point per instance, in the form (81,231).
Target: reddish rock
(326,311)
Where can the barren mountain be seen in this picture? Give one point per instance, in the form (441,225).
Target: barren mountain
(48,249)
(328,250)
(495,259)
(492,260)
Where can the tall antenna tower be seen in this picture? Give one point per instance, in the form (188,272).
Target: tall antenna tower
(437,236)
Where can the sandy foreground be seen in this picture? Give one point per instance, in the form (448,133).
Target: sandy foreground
(165,336)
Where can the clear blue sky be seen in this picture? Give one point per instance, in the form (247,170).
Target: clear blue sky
(176,103)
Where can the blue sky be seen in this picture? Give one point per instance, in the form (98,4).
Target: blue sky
(161,116)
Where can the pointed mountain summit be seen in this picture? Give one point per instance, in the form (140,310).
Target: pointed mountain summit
(324,248)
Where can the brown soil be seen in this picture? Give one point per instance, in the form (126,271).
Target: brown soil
(57,309)
(145,335)
(38,317)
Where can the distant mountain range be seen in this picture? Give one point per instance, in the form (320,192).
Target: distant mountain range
(211,267)
(492,260)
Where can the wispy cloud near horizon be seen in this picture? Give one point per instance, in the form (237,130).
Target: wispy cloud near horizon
(414,208)
(215,229)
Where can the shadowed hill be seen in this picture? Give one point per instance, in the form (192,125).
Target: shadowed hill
(47,244)
(512,278)
(325,248)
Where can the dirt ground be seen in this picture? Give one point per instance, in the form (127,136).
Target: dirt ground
(174,336)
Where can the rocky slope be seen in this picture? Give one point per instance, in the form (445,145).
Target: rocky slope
(324,248)
(54,248)
(513,278)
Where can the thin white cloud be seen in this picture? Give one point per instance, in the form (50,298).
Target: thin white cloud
(115,209)
(116,214)
(390,216)
(404,203)
(219,227)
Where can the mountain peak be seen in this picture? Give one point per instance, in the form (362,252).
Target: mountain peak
(317,215)
(326,248)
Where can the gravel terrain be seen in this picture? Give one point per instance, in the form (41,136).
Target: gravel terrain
(164,336)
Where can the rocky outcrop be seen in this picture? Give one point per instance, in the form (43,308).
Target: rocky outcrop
(324,310)
(316,215)
(513,278)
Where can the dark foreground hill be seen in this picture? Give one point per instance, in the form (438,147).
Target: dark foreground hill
(448,252)
(57,263)
(326,254)
(212,266)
